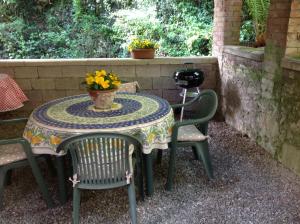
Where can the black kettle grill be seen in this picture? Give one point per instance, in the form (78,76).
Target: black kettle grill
(188,78)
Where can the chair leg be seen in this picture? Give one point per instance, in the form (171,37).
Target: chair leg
(140,177)
(149,174)
(61,179)
(195,153)
(76,205)
(202,149)
(2,183)
(132,203)
(50,165)
(159,156)
(40,181)
(171,168)
(8,178)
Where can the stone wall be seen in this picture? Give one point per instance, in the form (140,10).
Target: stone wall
(272,118)
(44,80)
(241,91)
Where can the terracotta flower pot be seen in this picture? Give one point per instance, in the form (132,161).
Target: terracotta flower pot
(103,99)
(143,53)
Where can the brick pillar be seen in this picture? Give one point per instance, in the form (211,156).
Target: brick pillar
(277,29)
(227,22)
(293,37)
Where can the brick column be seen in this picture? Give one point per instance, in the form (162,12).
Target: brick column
(293,37)
(227,22)
(277,29)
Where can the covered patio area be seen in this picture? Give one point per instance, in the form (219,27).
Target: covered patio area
(254,138)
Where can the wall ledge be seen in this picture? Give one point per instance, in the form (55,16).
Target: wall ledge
(256,54)
(107,61)
(291,63)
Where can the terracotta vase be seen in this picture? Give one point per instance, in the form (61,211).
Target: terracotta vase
(143,53)
(103,99)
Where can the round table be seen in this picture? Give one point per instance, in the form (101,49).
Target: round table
(12,97)
(147,117)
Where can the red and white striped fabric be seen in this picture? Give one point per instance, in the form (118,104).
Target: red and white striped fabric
(11,95)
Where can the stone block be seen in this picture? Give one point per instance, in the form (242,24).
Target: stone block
(29,106)
(49,71)
(172,96)
(123,70)
(93,68)
(26,72)
(73,71)
(67,83)
(156,92)
(75,92)
(24,84)
(41,84)
(53,94)
(291,51)
(169,70)
(210,81)
(145,83)
(34,95)
(7,70)
(148,70)
(164,83)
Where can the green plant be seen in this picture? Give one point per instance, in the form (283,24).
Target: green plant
(258,10)
(138,43)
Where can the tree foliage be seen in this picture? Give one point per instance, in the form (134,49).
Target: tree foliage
(93,28)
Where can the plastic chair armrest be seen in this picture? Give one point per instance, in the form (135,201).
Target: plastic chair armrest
(14,121)
(187,103)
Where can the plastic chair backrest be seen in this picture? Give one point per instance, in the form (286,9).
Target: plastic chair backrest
(205,107)
(207,104)
(101,158)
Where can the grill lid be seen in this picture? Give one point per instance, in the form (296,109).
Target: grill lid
(188,78)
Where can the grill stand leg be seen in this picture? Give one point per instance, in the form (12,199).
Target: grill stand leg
(183,101)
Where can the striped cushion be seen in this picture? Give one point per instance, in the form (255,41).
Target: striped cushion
(190,133)
(11,153)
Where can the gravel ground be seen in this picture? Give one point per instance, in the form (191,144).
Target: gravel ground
(249,187)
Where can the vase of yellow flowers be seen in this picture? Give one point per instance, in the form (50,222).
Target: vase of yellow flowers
(102,87)
(142,48)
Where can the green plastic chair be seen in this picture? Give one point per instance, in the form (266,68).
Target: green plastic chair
(193,132)
(15,153)
(102,161)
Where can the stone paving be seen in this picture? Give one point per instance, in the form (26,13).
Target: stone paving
(249,187)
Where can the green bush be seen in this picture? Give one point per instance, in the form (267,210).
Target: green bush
(82,29)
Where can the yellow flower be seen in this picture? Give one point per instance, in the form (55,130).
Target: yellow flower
(90,80)
(55,140)
(36,140)
(28,135)
(116,83)
(101,73)
(151,137)
(100,81)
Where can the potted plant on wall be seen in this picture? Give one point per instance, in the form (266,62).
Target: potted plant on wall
(102,88)
(142,48)
(258,10)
